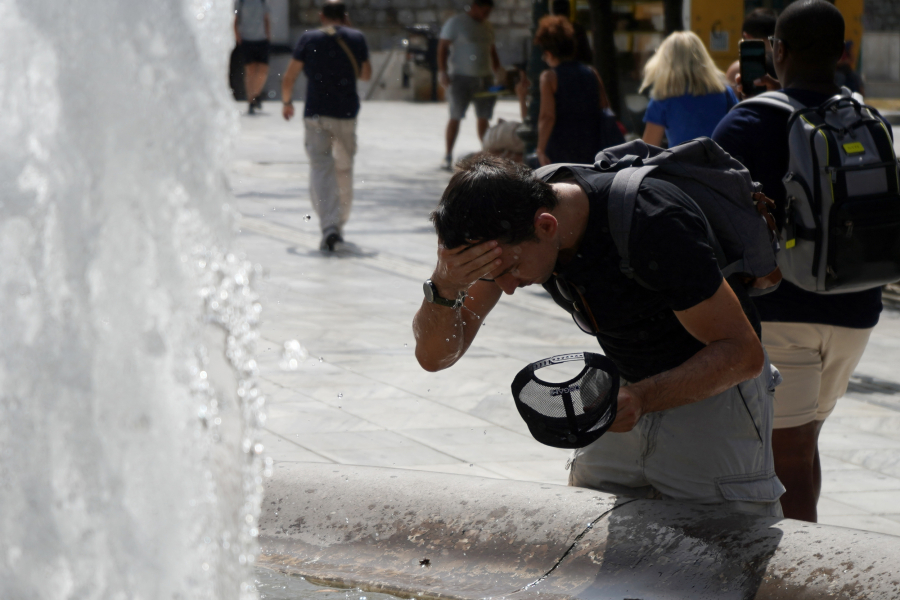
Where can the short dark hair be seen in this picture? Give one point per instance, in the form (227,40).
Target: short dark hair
(491,198)
(335,11)
(813,31)
(760,23)
(489,3)
(556,35)
(562,7)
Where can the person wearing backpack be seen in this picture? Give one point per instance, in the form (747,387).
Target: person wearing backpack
(828,164)
(333,58)
(693,420)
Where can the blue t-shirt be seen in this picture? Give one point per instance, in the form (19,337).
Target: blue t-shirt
(331,80)
(688,117)
(757,136)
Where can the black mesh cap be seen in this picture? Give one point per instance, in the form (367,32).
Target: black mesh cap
(574,413)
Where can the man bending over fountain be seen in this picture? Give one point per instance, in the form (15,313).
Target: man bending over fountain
(695,422)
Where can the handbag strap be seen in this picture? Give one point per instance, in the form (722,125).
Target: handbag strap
(330,30)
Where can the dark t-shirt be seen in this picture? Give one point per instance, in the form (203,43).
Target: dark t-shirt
(331,81)
(670,252)
(757,136)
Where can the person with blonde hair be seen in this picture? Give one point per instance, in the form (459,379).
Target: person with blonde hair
(688,93)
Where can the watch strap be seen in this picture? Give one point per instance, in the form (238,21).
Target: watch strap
(436,298)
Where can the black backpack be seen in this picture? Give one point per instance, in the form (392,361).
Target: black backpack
(735,210)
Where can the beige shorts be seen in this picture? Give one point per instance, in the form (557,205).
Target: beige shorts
(816,362)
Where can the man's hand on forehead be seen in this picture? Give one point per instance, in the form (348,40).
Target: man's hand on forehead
(458,268)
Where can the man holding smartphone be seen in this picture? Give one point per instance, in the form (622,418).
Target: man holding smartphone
(758,25)
(815,340)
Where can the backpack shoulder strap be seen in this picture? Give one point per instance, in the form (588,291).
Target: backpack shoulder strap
(330,30)
(620,210)
(778,100)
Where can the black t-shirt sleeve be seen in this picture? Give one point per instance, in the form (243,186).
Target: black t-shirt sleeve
(300,48)
(670,247)
(360,48)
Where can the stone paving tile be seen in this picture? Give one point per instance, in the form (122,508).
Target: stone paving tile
(355,308)
(286,450)
(295,419)
(828,508)
(544,471)
(859,480)
(871,501)
(388,456)
(867,522)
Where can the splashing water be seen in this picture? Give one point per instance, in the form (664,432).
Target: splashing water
(129,411)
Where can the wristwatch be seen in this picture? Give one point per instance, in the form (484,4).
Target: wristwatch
(432,295)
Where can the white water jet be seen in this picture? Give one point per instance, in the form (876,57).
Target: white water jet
(129,466)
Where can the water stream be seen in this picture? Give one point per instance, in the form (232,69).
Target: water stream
(128,403)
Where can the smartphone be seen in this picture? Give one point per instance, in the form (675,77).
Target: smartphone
(753,65)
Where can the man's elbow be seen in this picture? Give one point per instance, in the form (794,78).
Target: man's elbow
(429,362)
(754,358)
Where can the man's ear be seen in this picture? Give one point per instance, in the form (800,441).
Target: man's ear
(545,224)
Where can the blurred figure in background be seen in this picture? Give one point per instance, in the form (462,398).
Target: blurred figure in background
(575,121)
(845,75)
(252,34)
(333,58)
(759,24)
(583,53)
(688,95)
(467,65)
(501,139)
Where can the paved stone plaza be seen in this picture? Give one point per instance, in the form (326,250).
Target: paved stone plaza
(361,398)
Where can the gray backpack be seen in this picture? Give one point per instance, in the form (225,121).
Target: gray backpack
(736,211)
(842,214)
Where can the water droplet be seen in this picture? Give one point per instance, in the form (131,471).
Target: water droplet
(307,217)
(341,395)
(448,339)
(321,359)
(471,465)
(404,345)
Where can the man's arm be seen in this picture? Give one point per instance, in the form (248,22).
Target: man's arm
(365,71)
(495,61)
(443,53)
(237,33)
(444,334)
(733,354)
(287,87)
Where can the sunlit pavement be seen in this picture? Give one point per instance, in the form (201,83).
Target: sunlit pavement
(361,398)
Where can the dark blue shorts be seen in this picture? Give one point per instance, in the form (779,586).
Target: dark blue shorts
(255,52)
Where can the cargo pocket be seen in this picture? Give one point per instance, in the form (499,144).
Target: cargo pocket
(750,487)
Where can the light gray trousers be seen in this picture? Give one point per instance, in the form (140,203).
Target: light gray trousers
(716,451)
(331,145)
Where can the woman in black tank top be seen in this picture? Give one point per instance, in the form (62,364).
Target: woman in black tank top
(575,121)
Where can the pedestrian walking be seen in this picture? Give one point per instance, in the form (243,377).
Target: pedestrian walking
(333,57)
(252,32)
(467,67)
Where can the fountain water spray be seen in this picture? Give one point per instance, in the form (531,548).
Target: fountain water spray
(129,412)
